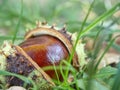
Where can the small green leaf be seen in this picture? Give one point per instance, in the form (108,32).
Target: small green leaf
(98,85)
(81,84)
(106,72)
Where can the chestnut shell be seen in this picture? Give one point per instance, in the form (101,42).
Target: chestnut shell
(45,50)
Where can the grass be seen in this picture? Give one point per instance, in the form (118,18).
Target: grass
(17,26)
(88,77)
(25,79)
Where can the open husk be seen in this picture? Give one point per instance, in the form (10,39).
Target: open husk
(13,59)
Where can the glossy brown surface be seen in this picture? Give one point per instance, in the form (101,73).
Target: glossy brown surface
(45,51)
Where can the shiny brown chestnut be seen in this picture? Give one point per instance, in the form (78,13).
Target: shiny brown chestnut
(47,46)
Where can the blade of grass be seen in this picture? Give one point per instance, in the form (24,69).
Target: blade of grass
(82,27)
(25,79)
(2,87)
(101,18)
(71,68)
(61,71)
(9,38)
(116,84)
(98,33)
(97,43)
(106,49)
(56,73)
(15,15)
(92,25)
(18,24)
(96,49)
(69,23)
(93,34)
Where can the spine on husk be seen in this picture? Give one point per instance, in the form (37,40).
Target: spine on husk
(14,59)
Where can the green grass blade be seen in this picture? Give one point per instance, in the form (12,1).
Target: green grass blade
(98,33)
(18,24)
(101,18)
(106,49)
(58,79)
(25,79)
(10,37)
(92,25)
(83,24)
(97,43)
(116,84)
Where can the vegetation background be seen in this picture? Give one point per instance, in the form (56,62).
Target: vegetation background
(69,12)
(18,15)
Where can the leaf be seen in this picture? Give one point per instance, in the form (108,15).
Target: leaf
(98,85)
(116,84)
(106,72)
(81,84)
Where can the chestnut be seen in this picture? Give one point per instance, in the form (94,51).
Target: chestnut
(47,46)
